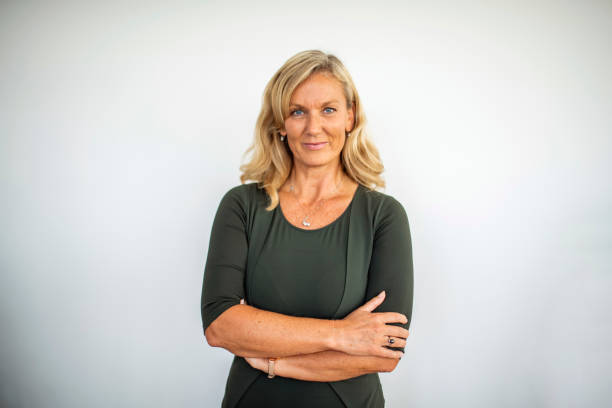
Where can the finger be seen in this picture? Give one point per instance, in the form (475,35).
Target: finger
(396,331)
(385,352)
(392,317)
(374,302)
(397,342)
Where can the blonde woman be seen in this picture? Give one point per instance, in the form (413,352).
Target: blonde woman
(309,278)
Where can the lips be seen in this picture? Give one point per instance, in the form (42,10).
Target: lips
(314,146)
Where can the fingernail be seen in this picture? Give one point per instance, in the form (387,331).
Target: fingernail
(381,293)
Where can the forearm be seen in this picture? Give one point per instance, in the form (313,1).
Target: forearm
(247,331)
(331,366)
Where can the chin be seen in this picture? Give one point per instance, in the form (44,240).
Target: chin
(312,162)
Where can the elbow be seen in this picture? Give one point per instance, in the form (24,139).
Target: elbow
(217,332)
(211,336)
(214,338)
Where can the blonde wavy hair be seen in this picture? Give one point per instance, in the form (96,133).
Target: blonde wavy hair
(271,159)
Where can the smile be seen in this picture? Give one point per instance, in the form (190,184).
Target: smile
(314,146)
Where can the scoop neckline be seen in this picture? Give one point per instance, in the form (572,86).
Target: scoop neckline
(348,207)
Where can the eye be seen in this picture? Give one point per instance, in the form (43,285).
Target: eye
(329,110)
(297,112)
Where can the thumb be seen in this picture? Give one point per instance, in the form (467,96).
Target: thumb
(373,303)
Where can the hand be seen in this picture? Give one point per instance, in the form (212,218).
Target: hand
(365,333)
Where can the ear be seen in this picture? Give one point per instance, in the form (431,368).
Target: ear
(350,120)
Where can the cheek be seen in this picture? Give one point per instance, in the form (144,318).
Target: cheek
(293,146)
(292,126)
(340,144)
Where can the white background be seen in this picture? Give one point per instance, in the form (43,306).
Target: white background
(123,123)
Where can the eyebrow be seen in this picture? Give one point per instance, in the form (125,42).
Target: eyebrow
(297,105)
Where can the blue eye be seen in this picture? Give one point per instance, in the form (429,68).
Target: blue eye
(329,110)
(296,112)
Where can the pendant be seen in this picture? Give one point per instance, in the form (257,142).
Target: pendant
(305,223)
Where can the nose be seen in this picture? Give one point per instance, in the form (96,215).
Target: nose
(313,127)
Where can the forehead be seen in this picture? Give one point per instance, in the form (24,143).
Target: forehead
(319,87)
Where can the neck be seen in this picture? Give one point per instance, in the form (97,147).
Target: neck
(314,183)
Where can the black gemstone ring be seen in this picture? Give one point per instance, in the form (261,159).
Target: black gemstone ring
(391,341)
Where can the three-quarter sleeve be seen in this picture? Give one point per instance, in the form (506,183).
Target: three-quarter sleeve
(391,267)
(223,284)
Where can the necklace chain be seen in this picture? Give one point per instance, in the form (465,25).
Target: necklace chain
(305,221)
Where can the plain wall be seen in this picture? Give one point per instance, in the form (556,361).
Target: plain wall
(123,123)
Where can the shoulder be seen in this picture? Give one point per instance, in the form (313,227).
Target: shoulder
(388,218)
(246,191)
(242,196)
(381,205)
(240,191)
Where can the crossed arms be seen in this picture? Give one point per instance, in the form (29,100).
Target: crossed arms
(309,349)
(312,349)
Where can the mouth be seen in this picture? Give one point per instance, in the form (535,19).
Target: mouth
(314,146)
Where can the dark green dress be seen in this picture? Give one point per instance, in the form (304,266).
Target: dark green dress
(323,273)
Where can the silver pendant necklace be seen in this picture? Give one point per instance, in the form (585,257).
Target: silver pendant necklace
(305,220)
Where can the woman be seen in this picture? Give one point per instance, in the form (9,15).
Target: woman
(294,256)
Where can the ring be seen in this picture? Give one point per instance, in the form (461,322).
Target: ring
(391,341)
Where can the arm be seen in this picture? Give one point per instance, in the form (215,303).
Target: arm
(391,265)
(332,366)
(247,331)
(325,366)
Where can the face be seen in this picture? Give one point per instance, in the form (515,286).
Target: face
(318,121)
